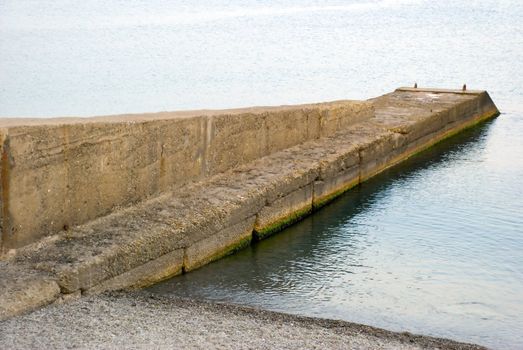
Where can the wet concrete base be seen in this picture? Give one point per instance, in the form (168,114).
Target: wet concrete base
(191,226)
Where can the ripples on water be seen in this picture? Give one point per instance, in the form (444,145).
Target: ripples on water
(105,57)
(434,246)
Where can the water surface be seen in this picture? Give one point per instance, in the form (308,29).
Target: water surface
(434,246)
(63,57)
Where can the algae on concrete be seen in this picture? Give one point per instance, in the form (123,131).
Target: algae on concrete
(199,222)
(282,223)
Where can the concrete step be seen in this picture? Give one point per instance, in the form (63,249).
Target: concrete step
(23,289)
(189,227)
(197,223)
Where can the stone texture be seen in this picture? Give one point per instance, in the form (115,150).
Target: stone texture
(64,175)
(339,171)
(23,289)
(339,118)
(140,320)
(58,173)
(157,270)
(377,154)
(283,211)
(191,225)
(218,245)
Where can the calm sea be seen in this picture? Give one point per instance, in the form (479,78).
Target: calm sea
(434,246)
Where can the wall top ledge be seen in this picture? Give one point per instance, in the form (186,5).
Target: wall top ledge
(7,122)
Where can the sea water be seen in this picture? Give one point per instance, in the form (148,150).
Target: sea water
(434,246)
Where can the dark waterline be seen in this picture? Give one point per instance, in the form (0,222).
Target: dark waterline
(432,246)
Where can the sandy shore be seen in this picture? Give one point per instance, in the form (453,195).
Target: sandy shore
(141,320)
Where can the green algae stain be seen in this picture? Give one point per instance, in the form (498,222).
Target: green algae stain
(230,249)
(279,225)
(442,136)
(450,133)
(324,200)
(225,251)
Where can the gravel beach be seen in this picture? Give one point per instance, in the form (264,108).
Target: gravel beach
(141,320)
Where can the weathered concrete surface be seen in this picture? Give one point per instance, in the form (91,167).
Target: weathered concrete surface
(22,290)
(199,222)
(143,321)
(220,244)
(284,211)
(144,275)
(421,118)
(58,173)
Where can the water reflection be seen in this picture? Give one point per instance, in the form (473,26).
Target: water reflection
(434,246)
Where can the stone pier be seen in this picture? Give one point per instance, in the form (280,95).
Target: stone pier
(116,202)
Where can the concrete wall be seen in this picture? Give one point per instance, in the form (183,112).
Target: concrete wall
(207,220)
(57,173)
(54,169)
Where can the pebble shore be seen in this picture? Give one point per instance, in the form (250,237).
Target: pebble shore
(140,320)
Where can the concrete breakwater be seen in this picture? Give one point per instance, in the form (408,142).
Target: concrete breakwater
(240,194)
(58,173)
